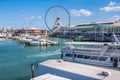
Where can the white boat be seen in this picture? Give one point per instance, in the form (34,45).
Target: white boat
(97,53)
(26,38)
(40,42)
(34,43)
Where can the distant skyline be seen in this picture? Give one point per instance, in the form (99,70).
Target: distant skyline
(19,13)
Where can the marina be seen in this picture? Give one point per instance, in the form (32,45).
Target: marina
(59,40)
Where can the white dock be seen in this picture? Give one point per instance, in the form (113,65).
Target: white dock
(49,77)
(77,71)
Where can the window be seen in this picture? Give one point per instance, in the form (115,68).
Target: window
(94,57)
(68,55)
(111,58)
(102,58)
(86,57)
(75,55)
(79,56)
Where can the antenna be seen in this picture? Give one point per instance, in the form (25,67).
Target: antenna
(31,23)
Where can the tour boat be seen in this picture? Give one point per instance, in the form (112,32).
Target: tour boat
(97,53)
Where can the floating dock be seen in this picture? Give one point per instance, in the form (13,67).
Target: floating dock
(49,77)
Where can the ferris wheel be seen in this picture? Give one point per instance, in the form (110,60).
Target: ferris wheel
(57,16)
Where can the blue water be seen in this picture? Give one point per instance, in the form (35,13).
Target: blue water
(16,59)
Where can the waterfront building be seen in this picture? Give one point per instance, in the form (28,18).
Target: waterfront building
(97,28)
(7,32)
(3,34)
(63,31)
(30,31)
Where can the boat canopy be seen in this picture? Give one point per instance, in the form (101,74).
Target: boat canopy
(92,43)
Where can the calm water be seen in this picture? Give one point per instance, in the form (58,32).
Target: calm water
(16,59)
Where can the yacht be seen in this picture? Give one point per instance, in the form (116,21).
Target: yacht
(97,53)
(40,42)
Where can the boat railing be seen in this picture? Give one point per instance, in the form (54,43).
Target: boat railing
(83,49)
(115,54)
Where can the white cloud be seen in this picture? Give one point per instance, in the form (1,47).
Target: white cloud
(81,12)
(116,17)
(29,17)
(32,17)
(39,17)
(112,3)
(112,6)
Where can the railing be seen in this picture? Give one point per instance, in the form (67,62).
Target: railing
(117,54)
(84,49)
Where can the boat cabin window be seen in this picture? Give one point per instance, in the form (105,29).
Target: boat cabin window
(86,57)
(106,44)
(75,55)
(94,57)
(68,55)
(111,59)
(114,47)
(118,47)
(109,47)
(79,56)
(102,58)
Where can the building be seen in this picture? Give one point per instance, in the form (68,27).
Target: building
(3,34)
(30,31)
(89,29)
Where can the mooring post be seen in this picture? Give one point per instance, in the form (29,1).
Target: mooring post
(73,56)
(32,70)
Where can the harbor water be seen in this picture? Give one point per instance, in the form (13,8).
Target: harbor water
(16,58)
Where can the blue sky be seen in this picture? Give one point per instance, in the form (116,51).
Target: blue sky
(20,13)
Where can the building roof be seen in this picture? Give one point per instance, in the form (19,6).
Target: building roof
(83,69)
(94,23)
